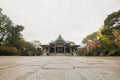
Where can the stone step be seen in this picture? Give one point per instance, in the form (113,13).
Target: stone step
(60,54)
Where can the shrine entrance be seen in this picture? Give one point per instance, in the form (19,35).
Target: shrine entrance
(59,49)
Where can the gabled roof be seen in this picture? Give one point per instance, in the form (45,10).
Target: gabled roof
(59,39)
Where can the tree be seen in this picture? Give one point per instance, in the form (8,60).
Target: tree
(102,37)
(116,33)
(37,46)
(10,35)
(82,52)
(112,27)
(8,29)
(29,49)
(8,51)
(5,26)
(113,20)
(17,42)
(110,34)
(36,43)
(93,36)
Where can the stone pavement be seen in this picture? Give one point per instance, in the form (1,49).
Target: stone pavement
(59,68)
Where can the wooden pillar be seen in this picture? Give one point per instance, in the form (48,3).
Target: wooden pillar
(54,49)
(74,52)
(64,49)
(71,50)
(48,50)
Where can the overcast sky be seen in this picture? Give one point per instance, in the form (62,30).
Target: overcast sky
(44,20)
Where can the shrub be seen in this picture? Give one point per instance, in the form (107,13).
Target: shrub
(8,50)
(112,53)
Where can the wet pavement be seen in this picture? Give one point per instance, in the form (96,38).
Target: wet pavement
(59,68)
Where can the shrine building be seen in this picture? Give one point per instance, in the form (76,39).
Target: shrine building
(60,47)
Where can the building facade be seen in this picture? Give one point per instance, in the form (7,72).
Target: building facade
(59,47)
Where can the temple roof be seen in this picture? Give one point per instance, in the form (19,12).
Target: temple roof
(59,39)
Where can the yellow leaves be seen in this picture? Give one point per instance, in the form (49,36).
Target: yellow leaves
(116,33)
(103,37)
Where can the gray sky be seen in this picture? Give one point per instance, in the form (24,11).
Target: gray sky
(44,20)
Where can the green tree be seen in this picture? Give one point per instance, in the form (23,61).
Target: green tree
(8,29)
(37,46)
(93,36)
(112,27)
(110,34)
(113,20)
(10,35)
(29,49)
(5,26)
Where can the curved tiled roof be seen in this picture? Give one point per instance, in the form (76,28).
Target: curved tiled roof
(59,39)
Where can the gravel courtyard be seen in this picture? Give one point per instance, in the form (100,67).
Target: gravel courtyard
(59,68)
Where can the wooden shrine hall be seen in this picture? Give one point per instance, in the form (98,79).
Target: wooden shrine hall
(60,47)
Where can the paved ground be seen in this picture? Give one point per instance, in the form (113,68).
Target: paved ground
(59,68)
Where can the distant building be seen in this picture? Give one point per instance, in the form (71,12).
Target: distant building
(59,47)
